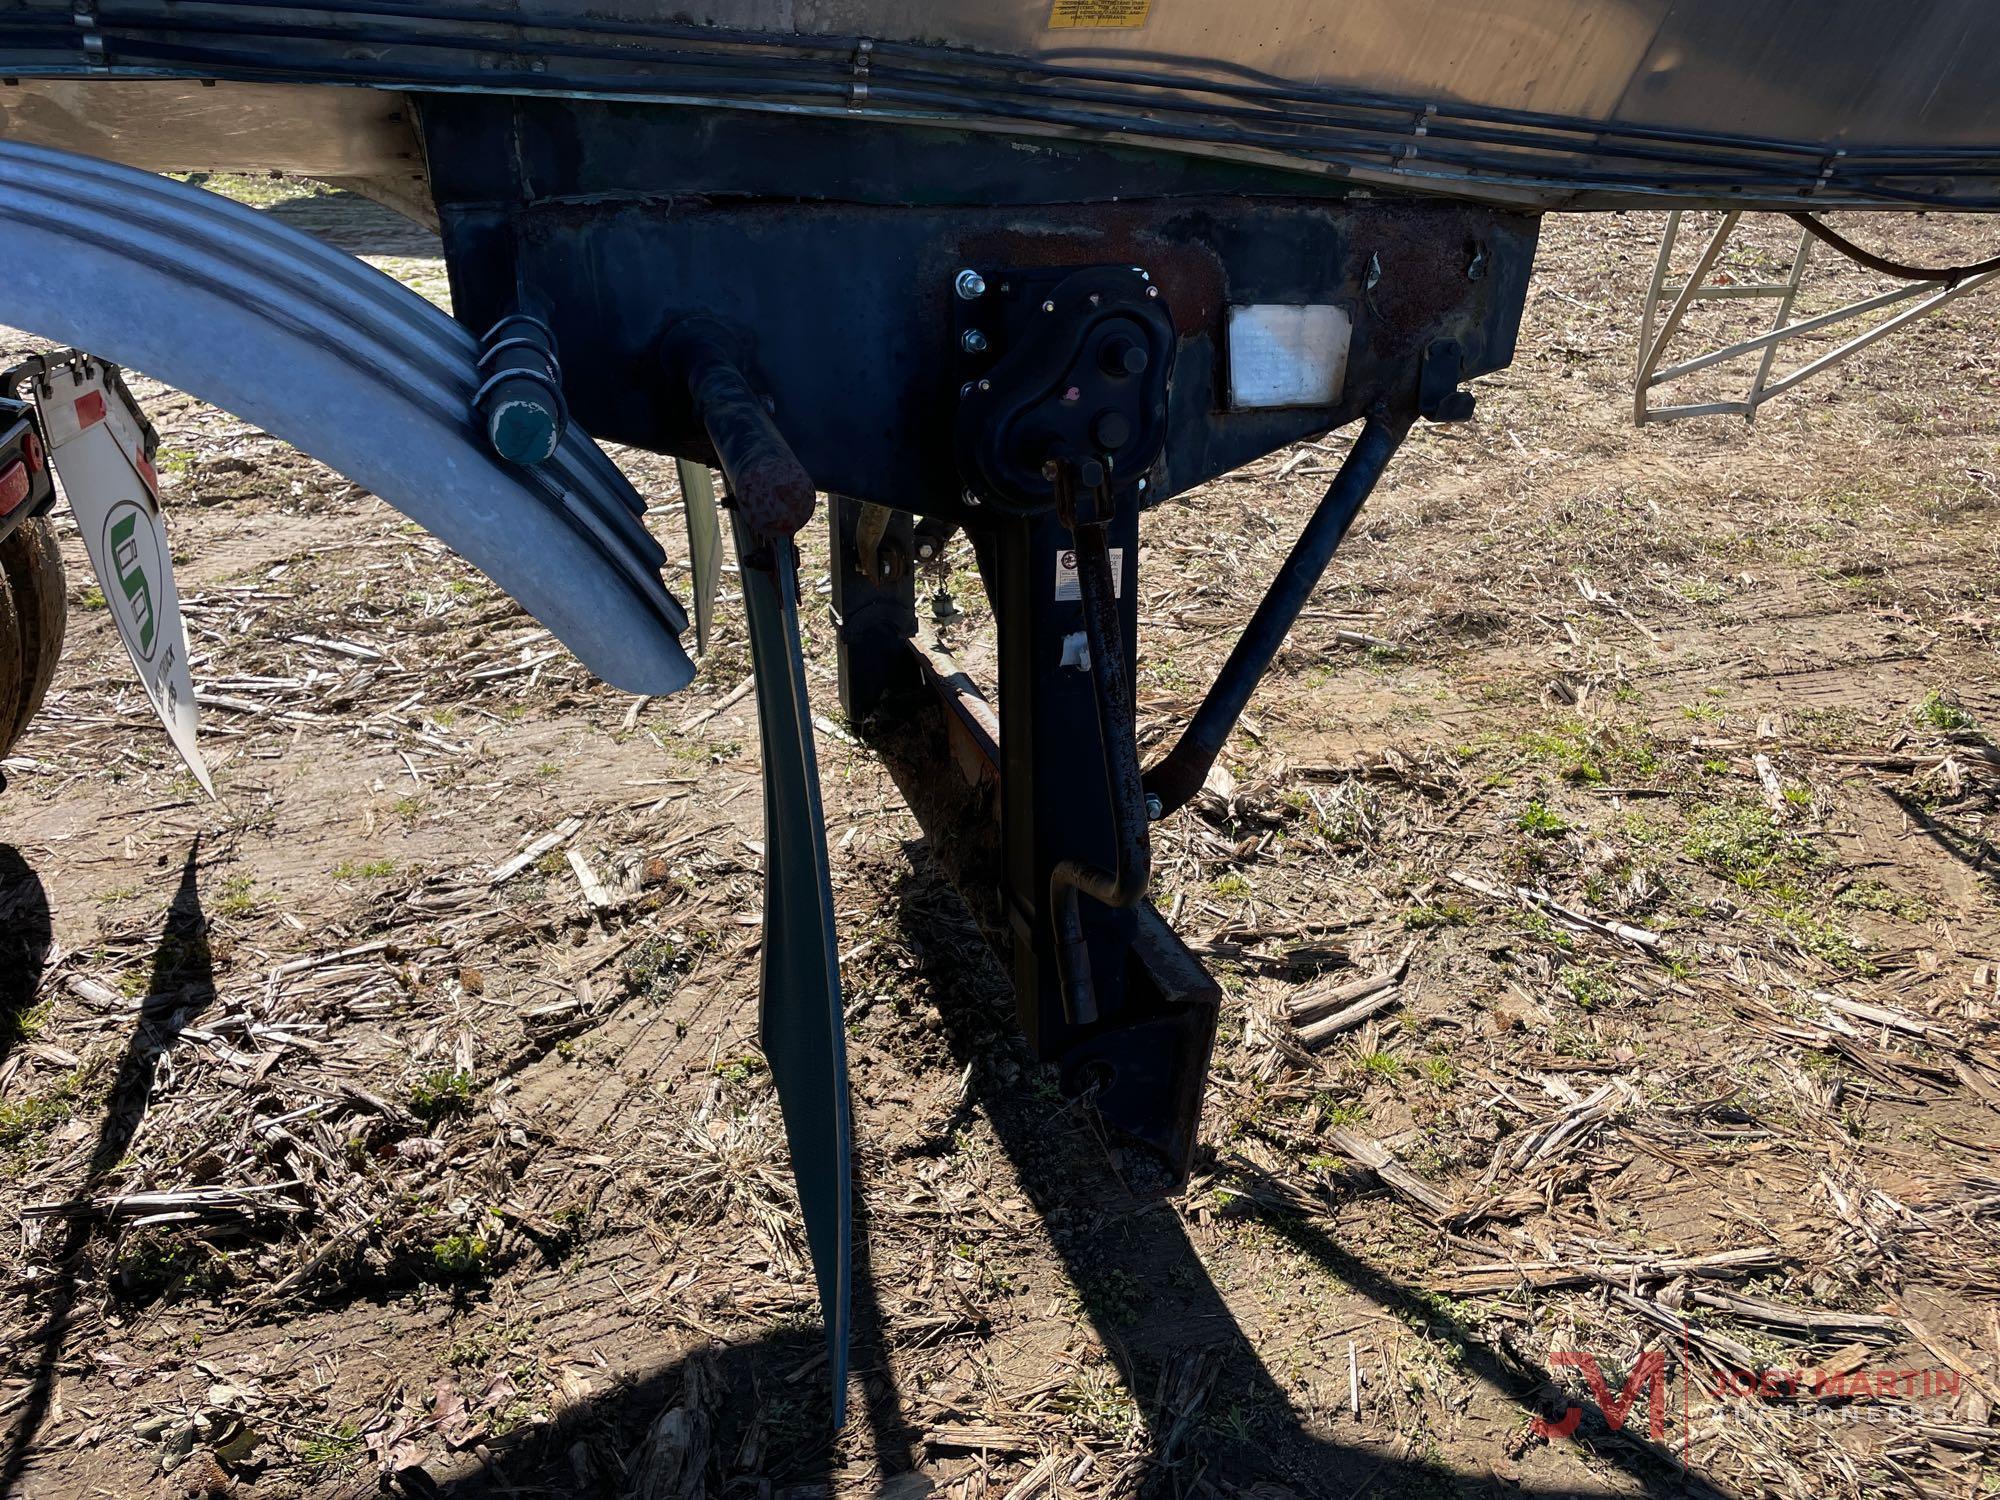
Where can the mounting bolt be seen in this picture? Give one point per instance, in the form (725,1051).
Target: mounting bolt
(970,499)
(1048,307)
(970,285)
(972,341)
(1154,809)
(1152,291)
(926,549)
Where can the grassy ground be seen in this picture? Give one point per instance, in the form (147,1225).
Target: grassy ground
(1661,817)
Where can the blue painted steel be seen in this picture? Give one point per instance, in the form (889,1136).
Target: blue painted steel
(347,365)
(802,1029)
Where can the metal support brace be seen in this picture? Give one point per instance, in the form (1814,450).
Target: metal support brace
(1175,780)
(1650,376)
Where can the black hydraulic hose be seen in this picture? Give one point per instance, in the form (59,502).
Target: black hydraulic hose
(1073,878)
(414,75)
(1951,275)
(517,20)
(756,68)
(1176,779)
(1274,92)
(1320,138)
(1463,123)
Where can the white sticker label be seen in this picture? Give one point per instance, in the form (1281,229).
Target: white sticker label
(98,454)
(1066,585)
(1287,356)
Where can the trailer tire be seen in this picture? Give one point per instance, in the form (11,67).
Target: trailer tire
(12,675)
(32,570)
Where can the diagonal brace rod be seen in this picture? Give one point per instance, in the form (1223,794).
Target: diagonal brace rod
(1175,780)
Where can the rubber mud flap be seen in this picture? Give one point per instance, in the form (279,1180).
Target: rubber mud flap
(801,1024)
(31,561)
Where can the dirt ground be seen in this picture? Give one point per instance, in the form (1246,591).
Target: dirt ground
(1641,776)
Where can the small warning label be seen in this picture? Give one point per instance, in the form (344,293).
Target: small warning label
(1066,587)
(1100,15)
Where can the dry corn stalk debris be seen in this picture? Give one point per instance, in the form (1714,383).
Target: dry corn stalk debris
(1642,895)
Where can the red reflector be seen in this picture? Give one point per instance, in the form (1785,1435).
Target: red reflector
(13,485)
(89,409)
(31,450)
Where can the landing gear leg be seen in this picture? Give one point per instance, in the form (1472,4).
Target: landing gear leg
(874,603)
(1142,1050)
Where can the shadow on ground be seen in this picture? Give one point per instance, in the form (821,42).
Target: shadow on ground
(1968,846)
(179,988)
(1185,1357)
(25,934)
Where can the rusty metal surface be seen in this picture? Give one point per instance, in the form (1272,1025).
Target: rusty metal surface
(766,483)
(971,726)
(846,310)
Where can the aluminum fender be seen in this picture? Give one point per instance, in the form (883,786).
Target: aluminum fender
(345,364)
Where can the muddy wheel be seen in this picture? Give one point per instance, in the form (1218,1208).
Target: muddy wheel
(31,572)
(12,677)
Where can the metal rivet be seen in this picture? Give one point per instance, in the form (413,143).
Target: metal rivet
(970,284)
(1048,307)
(986,385)
(972,341)
(1152,291)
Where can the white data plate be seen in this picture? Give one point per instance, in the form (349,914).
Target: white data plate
(1280,355)
(1068,588)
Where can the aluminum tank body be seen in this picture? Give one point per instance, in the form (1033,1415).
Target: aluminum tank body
(1538,103)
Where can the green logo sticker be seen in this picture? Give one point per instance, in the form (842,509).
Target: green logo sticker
(134,554)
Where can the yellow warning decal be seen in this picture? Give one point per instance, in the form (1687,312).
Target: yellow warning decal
(1066,15)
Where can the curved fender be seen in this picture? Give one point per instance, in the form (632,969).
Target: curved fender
(345,364)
